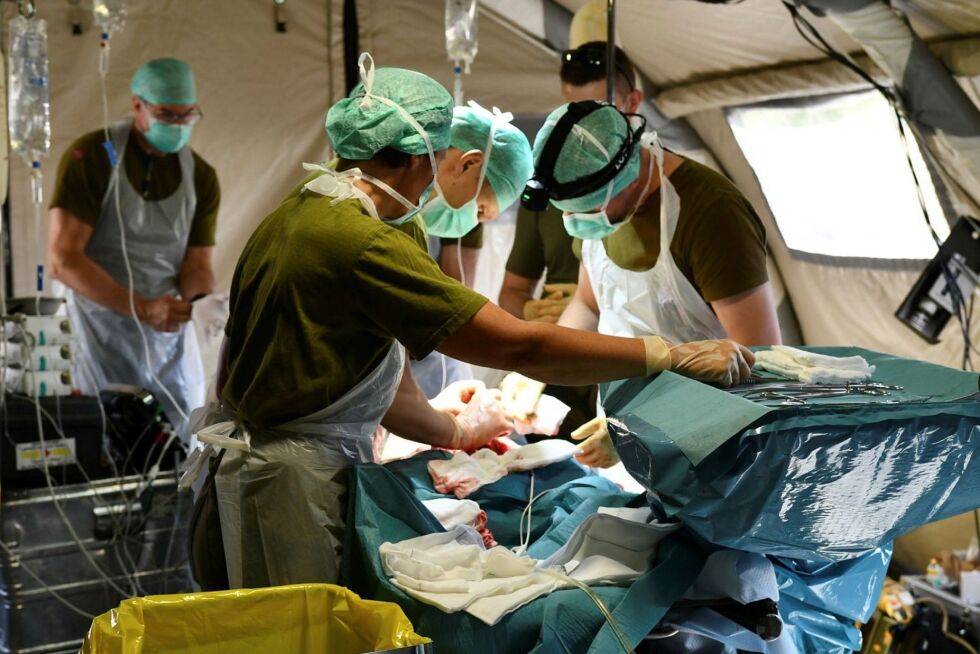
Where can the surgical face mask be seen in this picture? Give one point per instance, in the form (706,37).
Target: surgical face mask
(445,221)
(166,137)
(594,225)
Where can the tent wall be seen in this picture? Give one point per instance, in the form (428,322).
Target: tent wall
(835,304)
(264,95)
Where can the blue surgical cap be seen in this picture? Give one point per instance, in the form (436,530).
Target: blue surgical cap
(509,165)
(361,125)
(165,81)
(593,141)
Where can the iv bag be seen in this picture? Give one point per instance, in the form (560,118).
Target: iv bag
(27,104)
(110,15)
(461,44)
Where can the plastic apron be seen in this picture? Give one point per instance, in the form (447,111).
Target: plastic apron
(282,492)
(110,348)
(657,301)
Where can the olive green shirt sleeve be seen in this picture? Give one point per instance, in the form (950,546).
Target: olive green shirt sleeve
(402,291)
(473,239)
(415,230)
(208,191)
(527,258)
(730,255)
(82,179)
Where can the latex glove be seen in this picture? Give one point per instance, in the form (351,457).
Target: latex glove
(550,307)
(547,309)
(720,362)
(454,398)
(482,420)
(520,395)
(597,449)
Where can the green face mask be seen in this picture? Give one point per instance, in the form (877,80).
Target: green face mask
(166,137)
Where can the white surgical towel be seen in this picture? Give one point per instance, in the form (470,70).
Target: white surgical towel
(813,368)
(464,473)
(453,572)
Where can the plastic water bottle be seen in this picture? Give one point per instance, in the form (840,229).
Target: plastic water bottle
(461,43)
(936,575)
(110,15)
(30,116)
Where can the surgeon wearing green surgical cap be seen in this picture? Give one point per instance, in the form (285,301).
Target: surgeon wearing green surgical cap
(479,177)
(328,300)
(132,233)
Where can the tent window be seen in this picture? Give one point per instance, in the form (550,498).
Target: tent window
(835,175)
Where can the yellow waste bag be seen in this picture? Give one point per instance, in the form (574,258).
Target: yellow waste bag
(302,618)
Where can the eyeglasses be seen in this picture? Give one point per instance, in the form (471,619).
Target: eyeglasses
(189,117)
(593,57)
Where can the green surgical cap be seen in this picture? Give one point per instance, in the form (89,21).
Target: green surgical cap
(359,126)
(165,81)
(509,166)
(581,154)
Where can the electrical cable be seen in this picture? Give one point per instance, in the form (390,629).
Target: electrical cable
(459,260)
(945,626)
(963,313)
(57,504)
(12,555)
(614,624)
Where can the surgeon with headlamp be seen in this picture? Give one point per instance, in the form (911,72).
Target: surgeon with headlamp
(325,299)
(667,246)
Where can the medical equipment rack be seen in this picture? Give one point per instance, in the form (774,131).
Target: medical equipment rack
(135,532)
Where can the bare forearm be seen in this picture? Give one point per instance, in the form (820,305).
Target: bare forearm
(578,315)
(450,258)
(411,416)
(750,318)
(195,282)
(512,300)
(87,278)
(555,355)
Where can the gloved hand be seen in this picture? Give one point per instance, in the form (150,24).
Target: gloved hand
(454,398)
(482,420)
(520,395)
(597,449)
(720,362)
(550,307)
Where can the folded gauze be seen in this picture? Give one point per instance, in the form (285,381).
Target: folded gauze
(813,368)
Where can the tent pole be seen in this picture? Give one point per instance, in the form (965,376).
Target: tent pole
(610,50)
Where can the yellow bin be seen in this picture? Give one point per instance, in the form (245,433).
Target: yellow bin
(302,618)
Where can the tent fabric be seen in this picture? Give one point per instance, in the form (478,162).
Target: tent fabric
(257,141)
(835,305)
(933,99)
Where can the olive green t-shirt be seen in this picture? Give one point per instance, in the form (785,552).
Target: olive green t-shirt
(719,244)
(84,172)
(317,298)
(541,243)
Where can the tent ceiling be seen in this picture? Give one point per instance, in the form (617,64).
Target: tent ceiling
(676,41)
